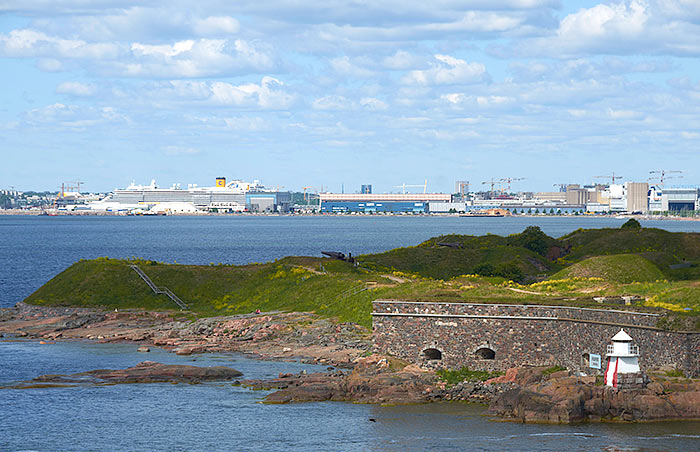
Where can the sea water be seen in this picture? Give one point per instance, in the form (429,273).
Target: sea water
(221,416)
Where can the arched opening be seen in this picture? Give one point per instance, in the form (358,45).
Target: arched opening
(485,353)
(432,354)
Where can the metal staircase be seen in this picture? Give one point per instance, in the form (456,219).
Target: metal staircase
(157,290)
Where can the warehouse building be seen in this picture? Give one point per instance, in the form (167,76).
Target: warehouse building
(414,203)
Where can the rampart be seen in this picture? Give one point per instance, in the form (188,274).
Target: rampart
(496,337)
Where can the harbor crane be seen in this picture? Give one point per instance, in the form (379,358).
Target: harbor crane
(404,186)
(612,178)
(562,187)
(508,180)
(662,175)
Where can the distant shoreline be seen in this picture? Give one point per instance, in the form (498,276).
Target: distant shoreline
(82,213)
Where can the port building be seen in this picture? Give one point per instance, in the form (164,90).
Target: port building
(413,203)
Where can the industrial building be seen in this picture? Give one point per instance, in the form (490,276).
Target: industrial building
(379,202)
(674,199)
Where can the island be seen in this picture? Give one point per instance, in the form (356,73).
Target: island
(521,322)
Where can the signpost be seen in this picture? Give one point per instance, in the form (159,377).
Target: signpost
(594,361)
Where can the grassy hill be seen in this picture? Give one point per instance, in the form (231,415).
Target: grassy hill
(214,290)
(519,257)
(532,255)
(622,268)
(521,268)
(661,247)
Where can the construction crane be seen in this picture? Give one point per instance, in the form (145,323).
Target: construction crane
(70,187)
(612,178)
(508,180)
(306,199)
(462,187)
(492,182)
(662,175)
(404,186)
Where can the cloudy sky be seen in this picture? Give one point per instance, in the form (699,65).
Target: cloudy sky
(347,92)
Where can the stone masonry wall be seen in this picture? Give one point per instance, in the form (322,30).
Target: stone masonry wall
(523,335)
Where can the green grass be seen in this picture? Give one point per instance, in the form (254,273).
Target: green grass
(622,268)
(212,290)
(489,255)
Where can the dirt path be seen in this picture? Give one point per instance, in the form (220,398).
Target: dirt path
(529,292)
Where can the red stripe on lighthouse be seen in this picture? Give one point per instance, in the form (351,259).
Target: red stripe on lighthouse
(617,361)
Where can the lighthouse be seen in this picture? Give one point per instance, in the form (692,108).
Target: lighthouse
(623,358)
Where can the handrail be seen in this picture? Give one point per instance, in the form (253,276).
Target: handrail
(158,291)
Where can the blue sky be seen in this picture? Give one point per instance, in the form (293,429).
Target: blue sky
(391,92)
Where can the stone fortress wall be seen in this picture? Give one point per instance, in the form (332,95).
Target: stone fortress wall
(497,337)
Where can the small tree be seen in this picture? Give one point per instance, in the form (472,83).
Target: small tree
(631,224)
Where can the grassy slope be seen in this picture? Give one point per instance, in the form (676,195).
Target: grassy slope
(661,247)
(622,268)
(434,261)
(215,290)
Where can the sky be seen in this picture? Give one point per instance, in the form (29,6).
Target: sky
(335,94)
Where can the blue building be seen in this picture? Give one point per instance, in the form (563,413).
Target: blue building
(379,203)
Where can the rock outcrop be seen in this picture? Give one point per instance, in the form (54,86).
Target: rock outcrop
(561,398)
(375,379)
(145,372)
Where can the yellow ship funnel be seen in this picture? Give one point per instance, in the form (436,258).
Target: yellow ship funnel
(221,182)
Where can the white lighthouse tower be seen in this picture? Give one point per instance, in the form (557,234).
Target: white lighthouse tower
(623,358)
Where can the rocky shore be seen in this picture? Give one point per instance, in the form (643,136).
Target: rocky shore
(275,336)
(527,394)
(563,398)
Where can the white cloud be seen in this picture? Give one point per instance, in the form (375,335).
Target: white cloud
(190,58)
(489,101)
(343,66)
(624,27)
(448,71)
(402,60)
(372,103)
(60,115)
(269,94)
(624,114)
(332,102)
(76,89)
(49,65)
(216,25)
(32,43)
(195,59)
(247,123)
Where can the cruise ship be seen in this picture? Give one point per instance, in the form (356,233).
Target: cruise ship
(233,196)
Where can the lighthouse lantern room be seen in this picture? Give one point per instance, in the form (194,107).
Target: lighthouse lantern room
(623,358)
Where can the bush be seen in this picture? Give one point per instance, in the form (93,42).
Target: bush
(533,239)
(631,224)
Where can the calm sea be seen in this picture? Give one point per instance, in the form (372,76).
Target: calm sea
(223,417)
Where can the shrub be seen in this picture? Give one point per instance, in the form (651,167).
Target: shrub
(631,224)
